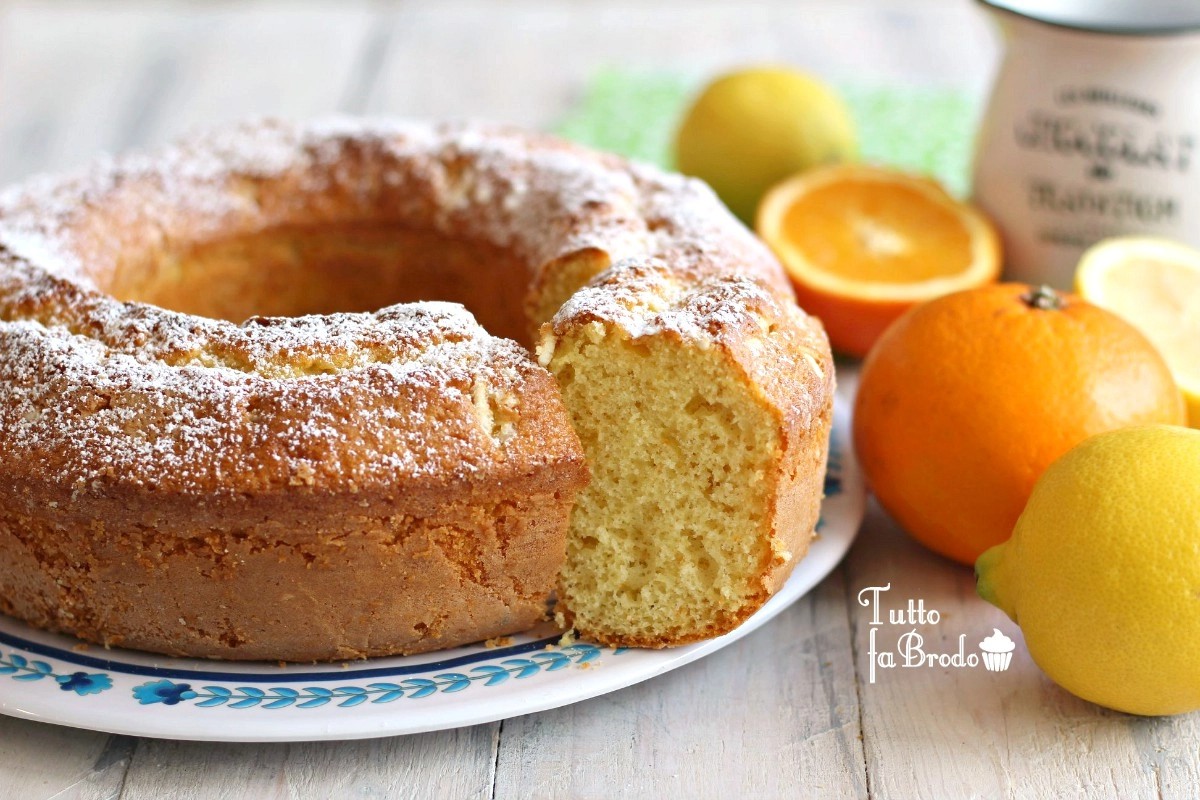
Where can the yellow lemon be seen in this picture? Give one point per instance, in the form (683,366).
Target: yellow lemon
(1155,285)
(1102,571)
(750,129)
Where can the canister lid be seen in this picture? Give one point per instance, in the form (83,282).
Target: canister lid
(1132,17)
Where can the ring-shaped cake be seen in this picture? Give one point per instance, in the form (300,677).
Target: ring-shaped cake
(228,430)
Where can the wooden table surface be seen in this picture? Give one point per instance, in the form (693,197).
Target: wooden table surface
(790,711)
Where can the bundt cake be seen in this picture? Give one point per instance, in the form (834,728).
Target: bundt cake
(232,425)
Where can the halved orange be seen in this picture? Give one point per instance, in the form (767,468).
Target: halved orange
(863,244)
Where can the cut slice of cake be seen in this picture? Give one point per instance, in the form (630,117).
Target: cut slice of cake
(704,409)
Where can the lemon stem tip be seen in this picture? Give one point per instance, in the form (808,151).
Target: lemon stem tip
(987,575)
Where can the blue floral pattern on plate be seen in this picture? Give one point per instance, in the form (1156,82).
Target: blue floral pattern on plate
(82,683)
(171,693)
(166,692)
(20,668)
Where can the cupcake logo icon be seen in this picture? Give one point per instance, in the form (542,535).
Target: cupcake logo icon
(997,651)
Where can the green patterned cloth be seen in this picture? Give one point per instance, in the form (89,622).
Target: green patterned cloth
(923,130)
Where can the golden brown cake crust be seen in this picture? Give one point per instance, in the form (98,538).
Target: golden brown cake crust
(337,485)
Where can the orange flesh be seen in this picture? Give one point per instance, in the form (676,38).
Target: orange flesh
(877,232)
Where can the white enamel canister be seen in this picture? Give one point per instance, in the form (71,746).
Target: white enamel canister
(1093,129)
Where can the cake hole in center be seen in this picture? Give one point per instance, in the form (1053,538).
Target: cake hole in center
(292,271)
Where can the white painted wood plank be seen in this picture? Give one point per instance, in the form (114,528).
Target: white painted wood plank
(774,715)
(949,732)
(44,761)
(229,63)
(524,62)
(931,43)
(456,764)
(70,73)
(1171,748)
(943,43)
(77,80)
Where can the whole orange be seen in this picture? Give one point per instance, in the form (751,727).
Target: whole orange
(966,400)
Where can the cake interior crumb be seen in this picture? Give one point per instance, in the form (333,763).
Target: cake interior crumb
(680,457)
(498,641)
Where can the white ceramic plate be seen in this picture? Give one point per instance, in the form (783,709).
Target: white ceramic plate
(57,679)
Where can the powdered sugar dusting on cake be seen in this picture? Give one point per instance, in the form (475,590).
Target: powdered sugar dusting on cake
(91,412)
(768,336)
(101,390)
